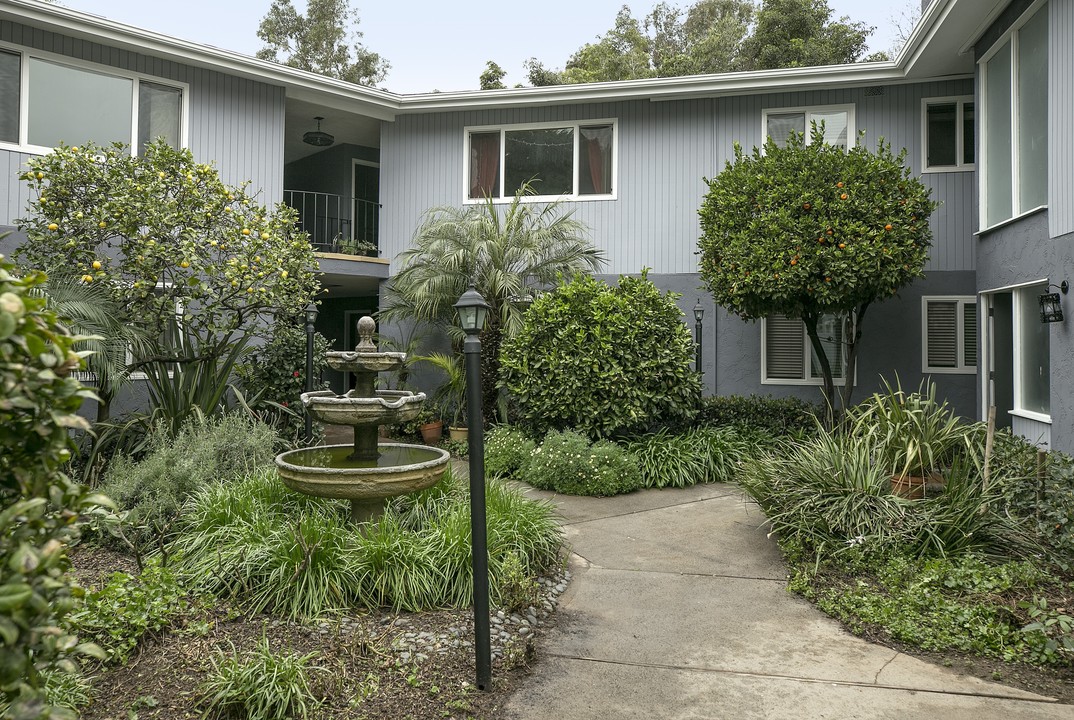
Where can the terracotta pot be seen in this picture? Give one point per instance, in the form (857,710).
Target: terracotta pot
(914,487)
(432,432)
(462,434)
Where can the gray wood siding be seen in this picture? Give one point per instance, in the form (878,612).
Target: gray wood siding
(235,123)
(1060,120)
(665,150)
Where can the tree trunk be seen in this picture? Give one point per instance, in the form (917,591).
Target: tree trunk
(810,320)
(853,332)
(104,404)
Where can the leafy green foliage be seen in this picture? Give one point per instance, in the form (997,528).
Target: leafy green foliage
(257,542)
(506,450)
(262,684)
(274,376)
(764,413)
(159,230)
(518,589)
(39,505)
(153,490)
(807,229)
(69,690)
(801,33)
(127,608)
(1050,635)
(320,41)
(566,463)
(703,455)
(606,361)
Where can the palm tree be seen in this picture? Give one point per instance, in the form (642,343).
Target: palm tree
(506,252)
(93,313)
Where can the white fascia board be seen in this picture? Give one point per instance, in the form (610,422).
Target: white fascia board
(375,103)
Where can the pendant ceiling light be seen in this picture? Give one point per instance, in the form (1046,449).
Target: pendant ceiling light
(318,138)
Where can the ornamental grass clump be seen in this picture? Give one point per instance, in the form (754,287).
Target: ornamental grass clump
(259,685)
(566,463)
(270,549)
(704,455)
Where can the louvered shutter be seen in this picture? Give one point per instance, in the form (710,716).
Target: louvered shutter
(969,334)
(784,348)
(942,334)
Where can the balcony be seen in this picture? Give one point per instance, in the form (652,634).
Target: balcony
(337,224)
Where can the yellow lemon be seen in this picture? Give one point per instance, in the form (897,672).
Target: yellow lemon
(96,264)
(53,227)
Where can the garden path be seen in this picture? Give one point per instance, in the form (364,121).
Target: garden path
(678,609)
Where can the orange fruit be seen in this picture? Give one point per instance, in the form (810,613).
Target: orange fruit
(827,279)
(830,231)
(843,196)
(888,227)
(842,245)
(794,262)
(839,184)
(806,206)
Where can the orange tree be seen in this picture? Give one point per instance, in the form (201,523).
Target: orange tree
(810,229)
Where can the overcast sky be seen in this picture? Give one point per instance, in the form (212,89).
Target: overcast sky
(438,44)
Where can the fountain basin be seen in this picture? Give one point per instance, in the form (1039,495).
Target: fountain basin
(354,361)
(387,407)
(327,472)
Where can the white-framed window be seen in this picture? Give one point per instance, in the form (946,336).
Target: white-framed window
(787,355)
(779,123)
(1014,121)
(947,135)
(561,160)
(949,334)
(47,99)
(1032,361)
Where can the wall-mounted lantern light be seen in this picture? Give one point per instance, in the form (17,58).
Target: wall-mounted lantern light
(1051,309)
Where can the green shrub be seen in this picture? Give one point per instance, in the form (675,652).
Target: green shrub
(697,456)
(260,544)
(40,507)
(506,450)
(826,495)
(127,608)
(261,685)
(273,376)
(566,463)
(775,416)
(605,361)
(66,689)
(204,452)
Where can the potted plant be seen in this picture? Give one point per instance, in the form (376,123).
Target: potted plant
(914,434)
(451,395)
(430,425)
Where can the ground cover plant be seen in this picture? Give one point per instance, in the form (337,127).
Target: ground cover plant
(703,455)
(566,462)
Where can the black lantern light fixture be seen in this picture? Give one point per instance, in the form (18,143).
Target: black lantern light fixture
(311,321)
(472,310)
(699,314)
(318,138)
(1051,309)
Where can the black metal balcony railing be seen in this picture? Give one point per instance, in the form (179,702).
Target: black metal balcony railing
(325,218)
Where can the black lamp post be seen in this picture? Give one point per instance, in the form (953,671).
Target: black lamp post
(699,313)
(472,309)
(311,319)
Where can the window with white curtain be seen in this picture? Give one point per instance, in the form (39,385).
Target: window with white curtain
(1014,121)
(838,122)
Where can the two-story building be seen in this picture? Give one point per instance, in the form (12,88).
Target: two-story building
(977,97)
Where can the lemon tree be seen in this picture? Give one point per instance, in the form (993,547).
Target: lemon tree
(164,233)
(809,229)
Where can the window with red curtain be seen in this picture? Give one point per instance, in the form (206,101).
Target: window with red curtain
(595,160)
(485,164)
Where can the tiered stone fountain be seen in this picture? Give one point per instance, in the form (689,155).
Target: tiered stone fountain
(366,473)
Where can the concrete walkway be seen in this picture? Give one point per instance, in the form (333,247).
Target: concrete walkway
(678,609)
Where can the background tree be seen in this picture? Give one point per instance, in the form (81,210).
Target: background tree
(492,77)
(801,33)
(325,40)
(506,252)
(712,36)
(806,230)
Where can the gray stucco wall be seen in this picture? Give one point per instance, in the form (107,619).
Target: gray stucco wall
(891,344)
(1020,253)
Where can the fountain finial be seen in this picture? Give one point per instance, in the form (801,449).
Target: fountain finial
(366,327)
